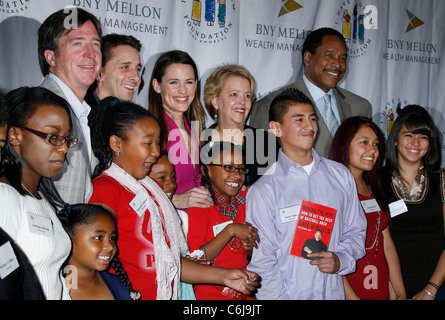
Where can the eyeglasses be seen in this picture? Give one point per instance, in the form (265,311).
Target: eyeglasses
(231,168)
(54,139)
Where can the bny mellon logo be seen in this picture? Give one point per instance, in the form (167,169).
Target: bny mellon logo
(289,6)
(414,22)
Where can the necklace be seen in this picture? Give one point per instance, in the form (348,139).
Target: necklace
(375,239)
(374,242)
(29,192)
(38,201)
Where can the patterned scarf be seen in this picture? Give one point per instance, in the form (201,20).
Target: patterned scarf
(168,259)
(418,189)
(229,209)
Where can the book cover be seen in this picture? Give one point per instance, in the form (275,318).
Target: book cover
(314,228)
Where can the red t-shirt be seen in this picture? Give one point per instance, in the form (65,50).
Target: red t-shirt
(233,255)
(134,240)
(371,279)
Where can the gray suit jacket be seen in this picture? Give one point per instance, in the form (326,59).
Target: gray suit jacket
(73,181)
(349,105)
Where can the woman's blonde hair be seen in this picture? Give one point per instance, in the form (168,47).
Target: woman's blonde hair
(215,82)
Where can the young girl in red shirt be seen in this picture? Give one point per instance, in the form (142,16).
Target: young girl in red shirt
(126,141)
(220,233)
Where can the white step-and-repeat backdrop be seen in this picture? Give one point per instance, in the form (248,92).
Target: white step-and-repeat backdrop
(396,47)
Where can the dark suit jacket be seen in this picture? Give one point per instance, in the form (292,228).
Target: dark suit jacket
(22,283)
(349,105)
(73,181)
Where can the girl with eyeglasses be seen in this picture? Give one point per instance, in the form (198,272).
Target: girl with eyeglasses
(38,140)
(152,245)
(220,233)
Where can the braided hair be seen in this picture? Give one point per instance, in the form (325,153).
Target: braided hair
(72,216)
(111,117)
(210,151)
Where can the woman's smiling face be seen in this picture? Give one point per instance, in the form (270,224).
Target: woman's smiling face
(177,88)
(363,150)
(234,102)
(411,147)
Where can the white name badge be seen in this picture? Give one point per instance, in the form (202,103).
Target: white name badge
(370,205)
(290,213)
(8,260)
(220,227)
(40,225)
(140,203)
(397,207)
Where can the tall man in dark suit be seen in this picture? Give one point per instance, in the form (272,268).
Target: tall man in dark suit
(324,56)
(70,59)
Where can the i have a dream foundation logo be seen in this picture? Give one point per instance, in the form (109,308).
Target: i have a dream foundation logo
(209,21)
(13,6)
(357,22)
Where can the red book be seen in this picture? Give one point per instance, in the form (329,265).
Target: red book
(314,229)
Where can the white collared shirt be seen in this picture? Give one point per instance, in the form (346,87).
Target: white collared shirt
(80,109)
(318,94)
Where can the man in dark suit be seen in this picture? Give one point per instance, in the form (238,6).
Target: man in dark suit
(324,56)
(70,60)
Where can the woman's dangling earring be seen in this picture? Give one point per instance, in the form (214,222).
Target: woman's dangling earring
(117,154)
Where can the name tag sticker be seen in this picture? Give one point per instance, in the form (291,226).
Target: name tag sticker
(290,213)
(397,207)
(220,227)
(140,203)
(8,260)
(40,225)
(370,205)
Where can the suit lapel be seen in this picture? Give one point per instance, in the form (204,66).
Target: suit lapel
(344,107)
(76,130)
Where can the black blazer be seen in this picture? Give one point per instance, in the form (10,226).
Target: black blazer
(22,283)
